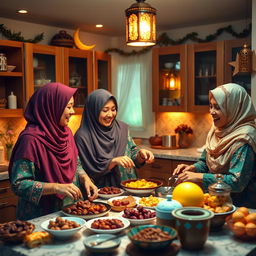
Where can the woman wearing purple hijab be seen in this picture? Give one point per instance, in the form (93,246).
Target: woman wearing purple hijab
(44,168)
(107,152)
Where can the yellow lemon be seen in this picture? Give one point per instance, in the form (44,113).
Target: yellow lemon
(188,194)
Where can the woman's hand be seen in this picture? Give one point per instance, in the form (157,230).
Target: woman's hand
(91,189)
(145,156)
(190,176)
(69,190)
(183,168)
(124,161)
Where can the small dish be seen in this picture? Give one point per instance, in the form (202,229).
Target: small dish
(10,68)
(140,221)
(67,233)
(107,196)
(145,201)
(147,244)
(133,201)
(108,231)
(104,247)
(141,191)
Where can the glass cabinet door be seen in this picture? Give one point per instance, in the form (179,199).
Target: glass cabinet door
(169,78)
(205,63)
(232,47)
(102,71)
(78,74)
(43,65)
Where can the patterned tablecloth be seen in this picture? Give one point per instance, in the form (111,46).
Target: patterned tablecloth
(219,243)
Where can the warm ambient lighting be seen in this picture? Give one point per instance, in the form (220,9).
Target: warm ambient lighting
(22,11)
(171,80)
(99,26)
(140,24)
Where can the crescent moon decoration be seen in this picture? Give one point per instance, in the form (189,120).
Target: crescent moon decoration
(79,44)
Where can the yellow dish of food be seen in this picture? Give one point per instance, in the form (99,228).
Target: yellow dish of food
(150,201)
(141,184)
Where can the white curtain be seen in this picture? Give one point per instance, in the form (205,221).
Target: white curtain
(132,79)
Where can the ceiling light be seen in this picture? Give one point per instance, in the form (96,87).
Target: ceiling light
(99,26)
(22,11)
(140,24)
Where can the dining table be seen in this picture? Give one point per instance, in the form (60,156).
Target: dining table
(219,243)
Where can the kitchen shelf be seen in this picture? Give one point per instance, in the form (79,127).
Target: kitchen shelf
(17,74)
(11,112)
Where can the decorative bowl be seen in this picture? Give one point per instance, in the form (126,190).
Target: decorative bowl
(107,231)
(152,244)
(141,191)
(104,247)
(66,233)
(10,68)
(219,218)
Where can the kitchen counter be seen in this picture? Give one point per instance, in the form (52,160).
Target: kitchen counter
(185,154)
(218,243)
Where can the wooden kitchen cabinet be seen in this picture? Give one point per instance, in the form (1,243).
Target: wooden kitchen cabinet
(102,70)
(12,81)
(169,78)
(160,169)
(206,71)
(232,47)
(8,202)
(78,73)
(43,64)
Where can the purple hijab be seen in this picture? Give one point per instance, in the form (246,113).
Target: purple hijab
(48,145)
(97,144)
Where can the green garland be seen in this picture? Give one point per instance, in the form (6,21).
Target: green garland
(16,36)
(164,40)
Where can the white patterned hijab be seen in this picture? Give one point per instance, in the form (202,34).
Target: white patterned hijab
(240,129)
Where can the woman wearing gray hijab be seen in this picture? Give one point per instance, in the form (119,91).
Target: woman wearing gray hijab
(107,152)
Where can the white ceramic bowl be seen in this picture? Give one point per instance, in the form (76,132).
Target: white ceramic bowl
(126,223)
(10,68)
(107,196)
(104,247)
(141,191)
(140,221)
(64,234)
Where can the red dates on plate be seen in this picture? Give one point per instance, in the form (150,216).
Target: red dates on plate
(109,190)
(138,213)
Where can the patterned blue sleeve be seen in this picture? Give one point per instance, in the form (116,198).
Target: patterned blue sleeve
(240,172)
(201,165)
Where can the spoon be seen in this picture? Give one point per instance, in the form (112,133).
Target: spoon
(94,243)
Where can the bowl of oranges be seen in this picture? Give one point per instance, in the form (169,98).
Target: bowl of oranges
(242,223)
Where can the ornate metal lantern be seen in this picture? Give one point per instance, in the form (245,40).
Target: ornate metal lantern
(140,24)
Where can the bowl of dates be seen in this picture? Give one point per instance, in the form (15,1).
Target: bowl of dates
(86,209)
(15,231)
(141,186)
(63,227)
(109,192)
(108,225)
(152,236)
(139,215)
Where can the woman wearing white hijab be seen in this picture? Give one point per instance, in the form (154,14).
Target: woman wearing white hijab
(230,146)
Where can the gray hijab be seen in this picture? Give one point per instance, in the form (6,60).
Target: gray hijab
(97,144)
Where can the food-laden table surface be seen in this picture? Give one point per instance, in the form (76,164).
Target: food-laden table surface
(219,243)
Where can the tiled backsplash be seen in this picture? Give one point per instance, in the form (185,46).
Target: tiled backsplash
(200,123)
(165,124)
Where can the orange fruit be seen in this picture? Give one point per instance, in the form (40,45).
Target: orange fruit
(238,228)
(188,194)
(250,229)
(251,218)
(238,216)
(244,210)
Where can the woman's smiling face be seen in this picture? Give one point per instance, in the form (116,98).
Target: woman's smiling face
(67,113)
(108,113)
(219,119)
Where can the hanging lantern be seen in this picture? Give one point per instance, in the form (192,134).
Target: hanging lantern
(170,80)
(140,24)
(243,62)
